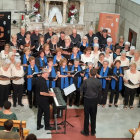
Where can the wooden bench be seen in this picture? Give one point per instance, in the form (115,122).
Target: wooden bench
(19,124)
(132,131)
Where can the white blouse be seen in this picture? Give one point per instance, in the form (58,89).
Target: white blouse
(87,59)
(137,62)
(3,55)
(134,78)
(123,63)
(110,59)
(95,55)
(128,54)
(19,73)
(5,73)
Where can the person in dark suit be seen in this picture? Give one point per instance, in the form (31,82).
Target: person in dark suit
(93,89)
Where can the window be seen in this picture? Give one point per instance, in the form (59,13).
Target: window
(132,37)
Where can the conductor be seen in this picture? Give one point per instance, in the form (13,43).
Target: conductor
(43,100)
(92,88)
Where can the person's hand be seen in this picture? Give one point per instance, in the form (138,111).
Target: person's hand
(72,75)
(55,79)
(121,75)
(33,47)
(55,64)
(25,65)
(85,78)
(126,81)
(52,94)
(29,76)
(107,78)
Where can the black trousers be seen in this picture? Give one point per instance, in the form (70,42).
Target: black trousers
(43,107)
(17,92)
(90,108)
(129,93)
(30,94)
(5,91)
(77,100)
(104,94)
(112,95)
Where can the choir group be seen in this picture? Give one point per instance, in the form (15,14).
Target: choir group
(69,60)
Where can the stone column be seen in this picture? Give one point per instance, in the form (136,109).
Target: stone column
(46,20)
(28,3)
(64,13)
(81,13)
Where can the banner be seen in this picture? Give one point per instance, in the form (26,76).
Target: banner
(5,28)
(110,21)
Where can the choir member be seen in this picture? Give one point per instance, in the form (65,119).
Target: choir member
(96,51)
(5,52)
(100,33)
(90,66)
(25,58)
(21,35)
(39,44)
(5,84)
(121,42)
(131,82)
(31,81)
(12,59)
(18,83)
(117,52)
(61,41)
(77,80)
(90,36)
(116,83)
(108,56)
(74,53)
(104,71)
(109,44)
(130,54)
(27,39)
(95,41)
(53,73)
(136,58)
(14,50)
(63,81)
(15,42)
(35,37)
(126,46)
(41,60)
(48,35)
(57,57)
(101,60)
(75,38)
(46,49)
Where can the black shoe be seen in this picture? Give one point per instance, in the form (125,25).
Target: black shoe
(70,104)
(21,104)
(50,128)
(116,105)
(77,105)
(30,106)
(83,133)
(38,128)
(14,105)
(110,105)
(35,106)
(138,106)
(92,134)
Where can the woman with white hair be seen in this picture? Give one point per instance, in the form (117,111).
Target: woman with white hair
(14,50)
(17,83)
(130,54)
(96,51)
(136,58)
(121,42)
(5,85)
(126,46)
(4,53)
(12,59)
(83,45)
(105,72)
(95,41)
(131,82)
(109,44)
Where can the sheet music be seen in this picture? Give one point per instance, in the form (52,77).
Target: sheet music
(69,89)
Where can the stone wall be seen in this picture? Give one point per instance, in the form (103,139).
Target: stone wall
(129,18)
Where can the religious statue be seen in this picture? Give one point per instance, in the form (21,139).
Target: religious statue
(55,11)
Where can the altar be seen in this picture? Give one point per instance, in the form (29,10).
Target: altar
(54,13)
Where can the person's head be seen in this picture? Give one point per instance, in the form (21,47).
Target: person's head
(75,50)
(50,62)
(121,39)
(76,61)
(90,31)
(127,45)
(93,72)
(46,47)
(95,40)
(123,54)
(96,47)
(85,39)
(87,50)
(26,51)
(132,50)
(32,60)
(101,30)
(41,39)
(7,105)
(11,56)
(6,47)
(117,63)
(31,137)
(107,49)
(63,62)
(118,50)
(109,41)
(137,54)
(45,72)
(7,64)
(36,31)
(133,66)
(59,51)
(101,56)
(22,30)
(54,39)
(13,49)
(105,63)
(8,125)
(28,34)
(62,35)
(90,65)
(41,53)
(14,37)
(67,39)
(50,30)
(104,33)
(74,32)
(17,62)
